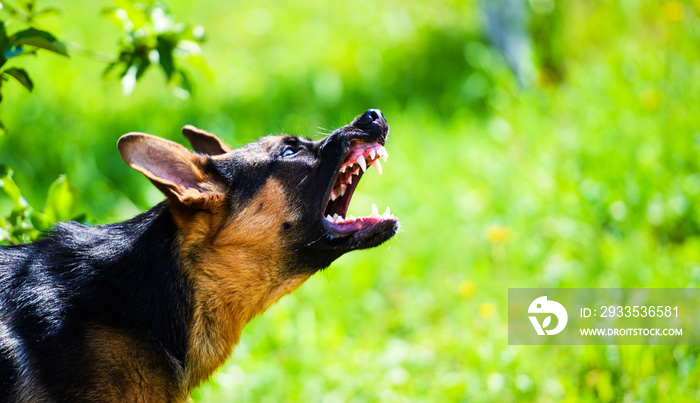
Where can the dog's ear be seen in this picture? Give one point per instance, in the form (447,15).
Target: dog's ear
(171,167)
(204,142)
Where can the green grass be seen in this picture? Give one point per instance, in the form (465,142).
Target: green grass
(592,181)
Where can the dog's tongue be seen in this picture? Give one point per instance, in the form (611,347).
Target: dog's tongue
(351,223)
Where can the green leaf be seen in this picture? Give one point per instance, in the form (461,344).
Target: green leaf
(165,55)
(39,39)
(40,221)
(5,171)
(8,185)
(4,43)
(199,63)
(81,218)
(47,12)
(183,82)
(21,76)
(62,200)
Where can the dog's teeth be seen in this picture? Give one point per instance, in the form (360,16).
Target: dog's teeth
(341,191)
(333,195)
(375,212)
(372,154)
(342,170)
(363,164)
(387,212)
(329,218)
(350,180)
(377,165)
(336,217)
(382,153)
(351,217)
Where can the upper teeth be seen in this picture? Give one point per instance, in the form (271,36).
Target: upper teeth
(370,158)
(377,165)
(362,161)
(363,164)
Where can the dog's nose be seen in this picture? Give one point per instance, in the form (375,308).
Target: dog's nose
(372,115)
(372,121)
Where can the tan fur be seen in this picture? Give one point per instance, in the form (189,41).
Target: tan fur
(235,272)
(117,355)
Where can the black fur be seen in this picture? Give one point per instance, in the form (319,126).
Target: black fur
(129,279)
(123,276)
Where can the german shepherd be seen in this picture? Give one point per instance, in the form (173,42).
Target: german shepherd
(147,309)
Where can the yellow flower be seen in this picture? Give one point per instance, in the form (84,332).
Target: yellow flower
(486,310)
(466,288)
(673,11)
(498,234)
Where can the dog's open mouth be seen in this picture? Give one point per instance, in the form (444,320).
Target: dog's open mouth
(360,157)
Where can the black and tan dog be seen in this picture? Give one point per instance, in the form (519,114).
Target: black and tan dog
(147,309)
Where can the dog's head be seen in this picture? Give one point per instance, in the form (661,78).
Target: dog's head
(255,222)
(286,193)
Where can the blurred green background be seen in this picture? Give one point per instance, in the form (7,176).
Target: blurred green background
(534,143)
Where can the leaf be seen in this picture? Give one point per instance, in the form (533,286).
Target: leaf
(21,76)
(546,322)
(5,171)
(8,185)
(165,55)
(47,12)
(62,200)
(39,39)
(4,43)
(40,221)
(198,62)
(3,36)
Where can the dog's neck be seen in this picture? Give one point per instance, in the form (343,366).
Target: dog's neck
(235,273)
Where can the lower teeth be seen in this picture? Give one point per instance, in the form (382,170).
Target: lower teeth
(336,218)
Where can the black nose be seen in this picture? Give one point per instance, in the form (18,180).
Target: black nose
(372,115)
(373,122)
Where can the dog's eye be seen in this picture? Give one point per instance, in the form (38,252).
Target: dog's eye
(288,152)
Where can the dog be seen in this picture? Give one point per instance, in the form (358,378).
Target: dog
(145,310)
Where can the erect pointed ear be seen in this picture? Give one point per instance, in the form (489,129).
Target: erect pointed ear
(171,167)
(204,142)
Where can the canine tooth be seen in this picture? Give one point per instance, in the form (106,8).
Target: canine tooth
(372,155)
(333,195)
(377,165)
(342,170)
(363,164)
(350,180)
(387,212)
(341,191)
(375,212)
